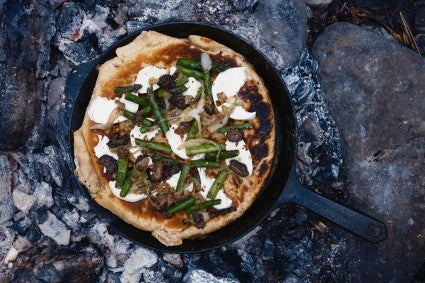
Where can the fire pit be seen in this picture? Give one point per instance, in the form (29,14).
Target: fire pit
(51,233)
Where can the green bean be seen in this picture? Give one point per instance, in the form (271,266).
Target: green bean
(182,81)
(127,184)
(202,148)
(161,120)
(242,126)
(218,183)
(128,114)
(202,205)
(191,73)
(160,92)
(136,99)
(175,208)
(193,130)
(209,103)
(191,64)
(205,163)
(144,129)
(224,154)
(164,159)
(147,122)
(156,146)
(122,171)
(182,178)
(146,110)
(127,89)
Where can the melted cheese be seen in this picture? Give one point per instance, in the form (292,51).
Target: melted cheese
(175,141)
(100,109)
(129,105)
(135,133)
(173,180)
(102,148)
(148,73)
(244,154)
(129,197)
(206,183)
(192,87)
(230,82)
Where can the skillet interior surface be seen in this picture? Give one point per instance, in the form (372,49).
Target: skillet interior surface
(285,139)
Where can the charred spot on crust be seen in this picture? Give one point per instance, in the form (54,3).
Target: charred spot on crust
(212,212)
(263,168)
(259,151)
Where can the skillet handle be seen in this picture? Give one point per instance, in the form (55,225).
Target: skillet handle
(356,222)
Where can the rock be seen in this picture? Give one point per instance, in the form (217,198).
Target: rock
(6,177)
(26,64)
(55,229)
(139,260)
(201,276)
(277,28)
(24,202)
(44,264)
(375,90)
(43,195)
(318,3)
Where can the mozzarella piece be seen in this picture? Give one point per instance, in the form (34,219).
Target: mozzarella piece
(244,154)
(130,197)
(241,114)
(175,140)
(148,73)
(228,82)
(102,148)
(206,183)
(129,105)
(173,180)
(100,109)
(136,134)
(192,87)
(173,69)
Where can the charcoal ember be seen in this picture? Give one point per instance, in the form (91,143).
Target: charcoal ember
(138,261)
(7,166)
(22,90)
(82,264)
(378,103)
(52,227)
(242,5)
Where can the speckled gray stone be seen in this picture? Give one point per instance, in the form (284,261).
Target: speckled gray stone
(375,90)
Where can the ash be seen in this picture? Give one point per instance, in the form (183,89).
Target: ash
(319,150)
(49,231)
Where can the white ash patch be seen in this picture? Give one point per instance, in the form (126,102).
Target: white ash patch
(174,259)
(136,265)
(55,229)
(23,201)
(201,276)
(43,195)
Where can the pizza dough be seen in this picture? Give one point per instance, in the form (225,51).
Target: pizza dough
(152,49)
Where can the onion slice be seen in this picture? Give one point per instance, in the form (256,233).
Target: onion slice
(206,62)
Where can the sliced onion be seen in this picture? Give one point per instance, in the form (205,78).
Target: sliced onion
(198,141)
(206,62)
(114,115)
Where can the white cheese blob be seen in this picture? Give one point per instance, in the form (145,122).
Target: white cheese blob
(129,105)
(206,183)
(228,82)
(130,197)
(173,180)
(148,73)
(244,154)
(175,140)
(192,87)
(136,134)
(241,114)
(102,148)
(100,109)
(173,69)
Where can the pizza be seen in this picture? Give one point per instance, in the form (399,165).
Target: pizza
(178,137)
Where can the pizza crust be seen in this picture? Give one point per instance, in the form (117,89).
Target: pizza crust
(131,58)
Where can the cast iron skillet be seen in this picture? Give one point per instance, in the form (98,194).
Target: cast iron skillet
(282,185)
